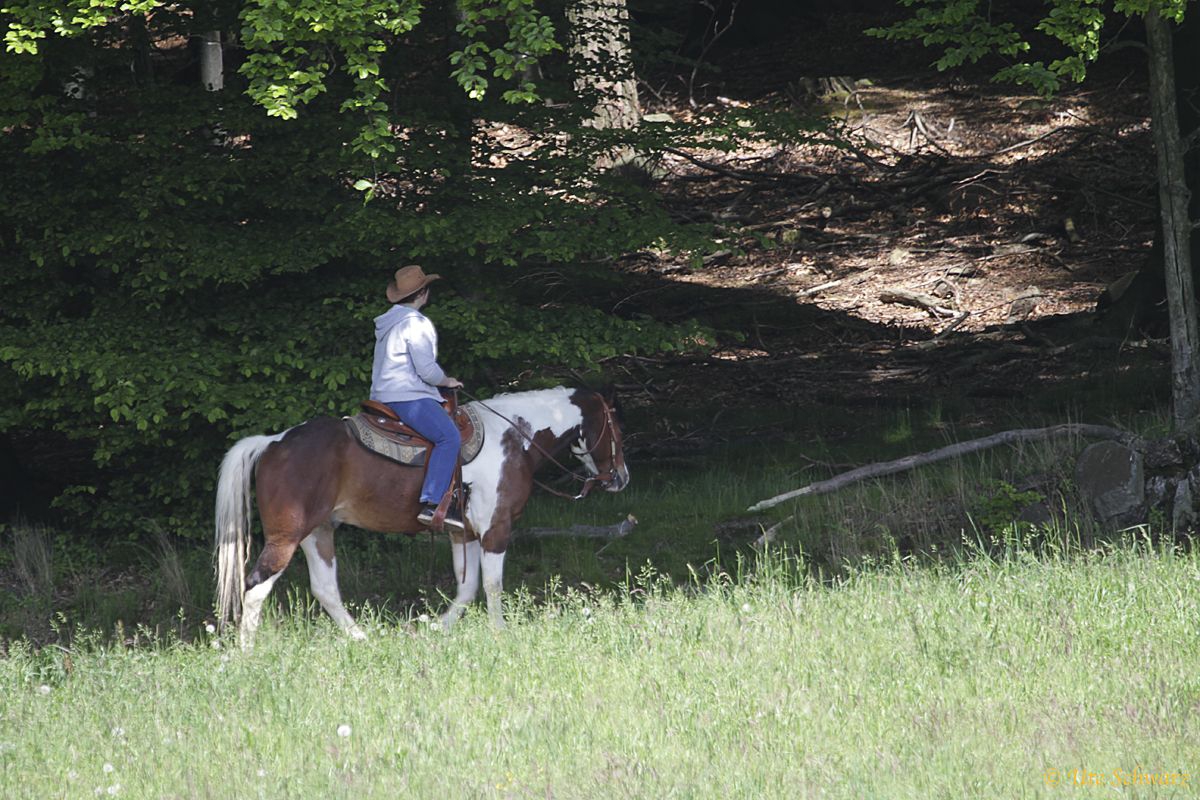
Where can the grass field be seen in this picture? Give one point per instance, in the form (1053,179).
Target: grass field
(991,677)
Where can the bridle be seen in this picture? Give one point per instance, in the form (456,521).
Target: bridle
(602,478)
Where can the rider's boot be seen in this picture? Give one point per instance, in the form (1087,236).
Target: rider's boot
(453,513)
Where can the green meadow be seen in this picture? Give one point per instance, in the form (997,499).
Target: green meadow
(994,675)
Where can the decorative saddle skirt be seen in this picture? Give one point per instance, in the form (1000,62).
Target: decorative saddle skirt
(378,429)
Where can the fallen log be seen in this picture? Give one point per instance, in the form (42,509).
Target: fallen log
(615,531)
(950,451)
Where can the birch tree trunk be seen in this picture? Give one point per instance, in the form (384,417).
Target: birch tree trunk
(212,65)
(1173,198)
(600,56)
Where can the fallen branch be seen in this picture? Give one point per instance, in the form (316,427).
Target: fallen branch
(616,531)
(907,298)
(769,534)
(818,289)
(950,451)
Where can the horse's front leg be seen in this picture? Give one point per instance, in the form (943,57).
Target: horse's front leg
(495,545)
(466,575)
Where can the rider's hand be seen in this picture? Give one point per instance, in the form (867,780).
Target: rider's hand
(453,383)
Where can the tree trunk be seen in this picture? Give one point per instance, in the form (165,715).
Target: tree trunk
(1176,251)
(603,66)
(212,66)
(1139,306)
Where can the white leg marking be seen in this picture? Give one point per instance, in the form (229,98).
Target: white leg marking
(465,555)
(493,587)
(252,605)
(323,581)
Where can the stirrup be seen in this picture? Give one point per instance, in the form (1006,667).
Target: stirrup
(453,519)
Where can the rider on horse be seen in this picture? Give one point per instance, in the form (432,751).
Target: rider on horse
(405,376)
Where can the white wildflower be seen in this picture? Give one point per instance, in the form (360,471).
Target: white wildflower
(107,767)
(343,730)
(262,773)
(216,644)
(210,628)
(423,618)
(43,689)
(114,789)
(118,731)
(745,608)
(435,626)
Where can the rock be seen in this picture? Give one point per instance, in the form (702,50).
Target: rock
(1162,454)
(1112,481)
(1159,490)
(1037,514)
(1183,512)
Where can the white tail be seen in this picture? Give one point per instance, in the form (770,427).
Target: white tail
(234,513)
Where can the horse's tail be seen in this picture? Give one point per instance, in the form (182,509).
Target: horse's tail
(234,514)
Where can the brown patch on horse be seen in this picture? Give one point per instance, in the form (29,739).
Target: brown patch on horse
(370,492)
(323,538)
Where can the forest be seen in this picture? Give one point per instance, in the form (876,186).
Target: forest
(893,301)
(788,209)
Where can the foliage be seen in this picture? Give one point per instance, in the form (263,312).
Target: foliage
(967,32)
(1003,505)
(183,267)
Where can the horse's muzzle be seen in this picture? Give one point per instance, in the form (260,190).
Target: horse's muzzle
(617,480)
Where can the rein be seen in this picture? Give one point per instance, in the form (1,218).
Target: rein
(588,482)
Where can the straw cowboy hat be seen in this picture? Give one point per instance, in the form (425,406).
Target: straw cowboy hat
(408,281)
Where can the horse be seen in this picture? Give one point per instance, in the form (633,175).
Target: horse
(316,476)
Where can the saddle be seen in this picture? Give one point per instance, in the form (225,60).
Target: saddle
(379,429)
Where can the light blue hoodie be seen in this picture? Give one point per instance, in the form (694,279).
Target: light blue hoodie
(405,365)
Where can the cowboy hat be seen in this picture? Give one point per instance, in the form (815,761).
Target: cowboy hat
(408,281)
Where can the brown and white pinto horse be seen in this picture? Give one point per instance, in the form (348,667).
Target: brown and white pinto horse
(315,476)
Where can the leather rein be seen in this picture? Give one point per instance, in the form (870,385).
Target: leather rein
(603,478)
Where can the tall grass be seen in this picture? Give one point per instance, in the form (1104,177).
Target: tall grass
(32,560)
(989,677)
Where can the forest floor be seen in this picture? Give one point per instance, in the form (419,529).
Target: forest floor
(949,236)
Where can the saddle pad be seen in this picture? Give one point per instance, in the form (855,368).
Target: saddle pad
(412,452)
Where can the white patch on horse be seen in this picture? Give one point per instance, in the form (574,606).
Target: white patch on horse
(532,412)
(580,450)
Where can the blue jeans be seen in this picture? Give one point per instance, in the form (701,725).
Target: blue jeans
(427,417)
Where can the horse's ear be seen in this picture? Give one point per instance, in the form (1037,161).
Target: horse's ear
(609,393)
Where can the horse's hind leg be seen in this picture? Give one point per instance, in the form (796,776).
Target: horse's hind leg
(270,565)
(322,574)
(493,586)
(495,544)
(466,575)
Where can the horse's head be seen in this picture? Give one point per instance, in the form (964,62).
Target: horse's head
(599,447)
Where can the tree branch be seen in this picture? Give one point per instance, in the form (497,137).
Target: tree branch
(950,451)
